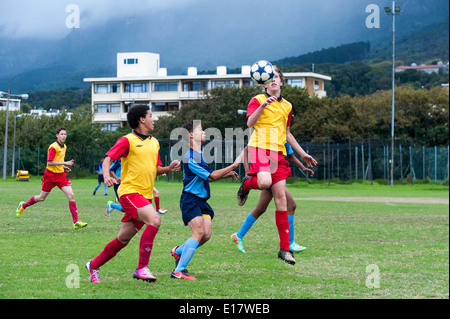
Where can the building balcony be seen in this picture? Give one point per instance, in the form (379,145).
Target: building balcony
(134,96)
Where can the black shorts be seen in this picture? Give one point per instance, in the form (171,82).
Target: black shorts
(192,206)
(100,178)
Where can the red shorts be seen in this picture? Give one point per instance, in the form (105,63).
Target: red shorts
(262,160)
(50,180)
(130,204)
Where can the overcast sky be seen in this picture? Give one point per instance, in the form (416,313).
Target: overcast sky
(47,18)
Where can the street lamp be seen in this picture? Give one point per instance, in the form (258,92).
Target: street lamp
(395,10)
(22,96)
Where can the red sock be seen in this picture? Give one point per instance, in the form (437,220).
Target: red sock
(29,202)
(111,249)
(157,203)
(73,211)
(282,222)
(146,245)
(251,183)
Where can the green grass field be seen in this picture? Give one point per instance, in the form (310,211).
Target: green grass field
(407,243)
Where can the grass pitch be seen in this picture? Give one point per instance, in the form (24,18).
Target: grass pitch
(354,249)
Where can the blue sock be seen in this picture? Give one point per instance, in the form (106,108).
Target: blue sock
(291,229)
(96,187)
(116,206)
(188,252)
(105,189)
(246,226)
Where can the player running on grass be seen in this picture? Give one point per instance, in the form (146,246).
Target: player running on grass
(141,164)
(270,116)
(55,175)
(264,200)
(196,212)
(110,205)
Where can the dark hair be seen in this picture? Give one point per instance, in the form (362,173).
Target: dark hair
(189,126)
(135,113)
(59,129)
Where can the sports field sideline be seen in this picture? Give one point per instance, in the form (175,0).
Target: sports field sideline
(356,248)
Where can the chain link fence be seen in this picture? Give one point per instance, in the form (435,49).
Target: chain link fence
(340,160)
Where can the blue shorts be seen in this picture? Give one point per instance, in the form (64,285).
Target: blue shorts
(192,206)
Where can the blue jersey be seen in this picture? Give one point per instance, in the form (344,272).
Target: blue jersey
(116,167)
(196,174)
(289,149)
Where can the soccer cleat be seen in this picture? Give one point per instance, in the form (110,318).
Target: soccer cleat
(144,274)
(183,274)
(296,248)
(175,255)
(20,209)
(239,242)
(287,256)
(79,224)
(162,211)
(242,194)
(109,209)
(94,273)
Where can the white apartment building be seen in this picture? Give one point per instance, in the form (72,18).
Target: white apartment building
(141,80)
(14,104)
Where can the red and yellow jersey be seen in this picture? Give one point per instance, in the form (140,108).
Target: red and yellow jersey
(270,129)
(140,159)
(56,153)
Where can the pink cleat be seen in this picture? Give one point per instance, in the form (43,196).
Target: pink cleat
(94,273)
(144,274)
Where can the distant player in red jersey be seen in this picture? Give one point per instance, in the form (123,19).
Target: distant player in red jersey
(55,175)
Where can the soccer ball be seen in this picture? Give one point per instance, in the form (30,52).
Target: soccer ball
(262,72)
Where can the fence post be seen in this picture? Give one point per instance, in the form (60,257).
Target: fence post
(435,163)
(401,163)
(362,163)
(350,157)
(356,164)
(328,155)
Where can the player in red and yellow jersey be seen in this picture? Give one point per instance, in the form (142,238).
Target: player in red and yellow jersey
(270,116)
(139,153)
(55,175)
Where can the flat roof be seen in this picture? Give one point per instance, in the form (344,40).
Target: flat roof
(202,77)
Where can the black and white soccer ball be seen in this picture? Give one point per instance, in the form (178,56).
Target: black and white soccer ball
(262,72)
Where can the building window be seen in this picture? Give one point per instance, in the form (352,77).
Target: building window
(295,82)
(165,106)
(107,108)
(130,61)
(224,83)
(107,88)
(164,86)
(249,83)
(136,87)
(195,86)
(111,127)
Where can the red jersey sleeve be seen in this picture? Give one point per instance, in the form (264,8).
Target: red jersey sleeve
(51,154)
(120,149)
(252,106)
(289,119)
(159,161)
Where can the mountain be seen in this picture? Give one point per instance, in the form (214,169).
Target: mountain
(209,34)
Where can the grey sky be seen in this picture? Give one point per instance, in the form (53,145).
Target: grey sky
(46,18)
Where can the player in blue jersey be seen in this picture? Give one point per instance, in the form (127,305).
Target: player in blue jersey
(264,200)
(196,212)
